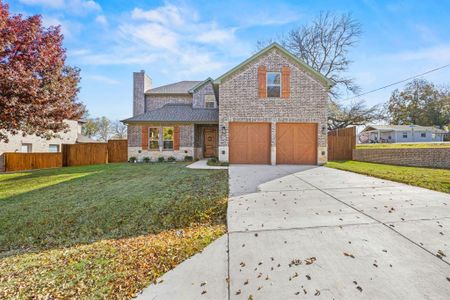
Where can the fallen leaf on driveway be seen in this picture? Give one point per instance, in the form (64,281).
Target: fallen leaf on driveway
(349,255)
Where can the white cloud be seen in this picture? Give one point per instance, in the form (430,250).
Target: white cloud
(439,53)
(174,38)
(68,28)
(68,6)
(167,15)
(103,79)
(102,20)
(49,3)
(216,36)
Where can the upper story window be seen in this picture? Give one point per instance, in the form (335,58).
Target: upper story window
(26,148)
(53,148)
(273,84)
(210,101)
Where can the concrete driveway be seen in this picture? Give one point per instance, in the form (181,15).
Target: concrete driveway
(307,232)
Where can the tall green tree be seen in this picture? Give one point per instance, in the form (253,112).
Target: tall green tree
(421,103)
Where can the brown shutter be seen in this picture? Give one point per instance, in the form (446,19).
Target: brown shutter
(285,82)
(262,91)
(176,138)
(144,138)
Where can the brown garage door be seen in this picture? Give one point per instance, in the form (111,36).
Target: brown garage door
(249,143)
(297,143)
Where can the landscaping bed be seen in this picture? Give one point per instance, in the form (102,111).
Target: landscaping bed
(104,231)
(433,179)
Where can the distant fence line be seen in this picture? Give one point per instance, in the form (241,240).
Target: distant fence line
(70,155)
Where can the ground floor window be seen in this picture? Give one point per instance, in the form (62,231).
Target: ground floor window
(167,138)
(26,148)
(405,135)
(53,148)
(423,134)
(154,138)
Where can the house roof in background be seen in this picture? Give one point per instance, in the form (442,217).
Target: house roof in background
(177,113)
(181,87)
(200,84)
(84,139)
(325,81)
(404,128)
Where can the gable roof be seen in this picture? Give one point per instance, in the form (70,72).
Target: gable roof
(200,84)
(325,81)
(177,113)
(181,87)
(403,128)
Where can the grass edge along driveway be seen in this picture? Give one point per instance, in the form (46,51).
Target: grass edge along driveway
(433,179)
(104,231)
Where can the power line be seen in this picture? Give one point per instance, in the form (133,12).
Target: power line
(398,82)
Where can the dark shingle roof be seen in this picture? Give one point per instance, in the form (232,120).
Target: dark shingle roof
(182,87)
(177,113)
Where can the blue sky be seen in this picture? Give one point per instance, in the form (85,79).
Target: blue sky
(192,40)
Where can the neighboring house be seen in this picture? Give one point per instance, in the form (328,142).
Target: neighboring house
(401,134)
(33,143)
(272,108)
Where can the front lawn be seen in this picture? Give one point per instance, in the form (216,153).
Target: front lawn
(402,145)
(104,231)
(433,179)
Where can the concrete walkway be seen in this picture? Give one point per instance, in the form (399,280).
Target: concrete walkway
(307,232)
(202,164)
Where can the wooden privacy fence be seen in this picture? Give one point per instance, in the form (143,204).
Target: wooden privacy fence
(117,151)
(71,155)
(29,161)
(341,143)
(84,154)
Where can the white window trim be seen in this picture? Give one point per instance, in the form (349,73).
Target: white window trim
(29,147)
(172,140)
(57,148)
(213,100)
(267,83)
(150,139)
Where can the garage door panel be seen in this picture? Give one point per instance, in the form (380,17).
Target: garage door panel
(297,143)
(249,143)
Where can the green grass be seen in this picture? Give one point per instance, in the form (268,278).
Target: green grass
(104,231)
(403,145)
(433,179)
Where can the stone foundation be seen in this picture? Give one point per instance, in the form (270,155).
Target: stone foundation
(154,155)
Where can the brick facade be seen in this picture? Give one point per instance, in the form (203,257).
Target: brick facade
(186,143)
(199,95)
(421,157)
(141,83)
(239,101)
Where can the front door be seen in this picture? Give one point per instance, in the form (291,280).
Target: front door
(210,142)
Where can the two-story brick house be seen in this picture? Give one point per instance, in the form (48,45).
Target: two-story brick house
(270,109)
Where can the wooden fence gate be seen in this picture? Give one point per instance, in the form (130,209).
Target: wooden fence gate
(117,151)
(341,143)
